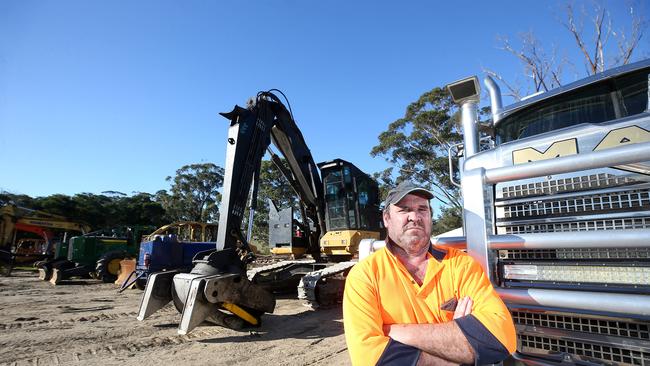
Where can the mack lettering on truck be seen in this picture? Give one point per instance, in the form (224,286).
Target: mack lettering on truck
(556,150)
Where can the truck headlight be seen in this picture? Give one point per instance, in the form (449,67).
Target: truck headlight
(586,274)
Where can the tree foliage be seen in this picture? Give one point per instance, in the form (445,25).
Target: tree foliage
(194,194)
(601,43)
(416,146)
(450,218)
(98,211)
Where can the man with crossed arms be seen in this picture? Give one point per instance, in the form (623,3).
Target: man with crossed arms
(412,303)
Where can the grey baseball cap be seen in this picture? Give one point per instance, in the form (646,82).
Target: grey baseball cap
(402,189)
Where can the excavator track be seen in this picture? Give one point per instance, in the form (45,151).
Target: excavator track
(252,273)
(324,287)
(283,277)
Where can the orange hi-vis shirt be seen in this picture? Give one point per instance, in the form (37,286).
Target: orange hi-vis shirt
(379,290)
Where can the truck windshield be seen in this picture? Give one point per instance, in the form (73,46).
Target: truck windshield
(600,102)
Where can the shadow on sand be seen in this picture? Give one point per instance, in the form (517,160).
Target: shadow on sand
(315,325)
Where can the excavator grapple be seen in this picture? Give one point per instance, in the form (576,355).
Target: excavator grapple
(213,291)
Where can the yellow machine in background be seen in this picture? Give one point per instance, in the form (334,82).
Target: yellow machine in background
(350,205)
(187,231)
(345,243)
(17,224)
(14,219)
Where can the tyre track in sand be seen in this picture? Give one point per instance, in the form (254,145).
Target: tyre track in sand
(115,349)
(32,323)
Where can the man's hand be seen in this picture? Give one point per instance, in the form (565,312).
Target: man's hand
(464,307)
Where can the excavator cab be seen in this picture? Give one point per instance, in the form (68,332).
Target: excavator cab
(352,213)
(351,209)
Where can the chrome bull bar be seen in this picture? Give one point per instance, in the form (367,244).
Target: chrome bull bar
(481,243)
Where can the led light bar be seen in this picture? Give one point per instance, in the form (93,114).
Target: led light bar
(586,274)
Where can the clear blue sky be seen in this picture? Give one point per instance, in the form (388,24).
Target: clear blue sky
(117,95)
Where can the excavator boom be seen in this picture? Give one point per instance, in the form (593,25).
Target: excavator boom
(218,288)
(251,132)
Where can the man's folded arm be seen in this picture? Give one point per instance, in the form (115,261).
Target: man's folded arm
(397,354)
(445,340)
(487,348)
(489,328)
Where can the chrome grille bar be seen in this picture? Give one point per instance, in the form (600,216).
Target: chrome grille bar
(629,154)
(625,304)
(575,254)
(585,324)
(574,195)
(457,242)
(580,239)
(581,350)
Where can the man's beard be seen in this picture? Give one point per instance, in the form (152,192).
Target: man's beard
(414,240)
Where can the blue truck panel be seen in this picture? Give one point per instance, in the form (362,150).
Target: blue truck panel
(166,253)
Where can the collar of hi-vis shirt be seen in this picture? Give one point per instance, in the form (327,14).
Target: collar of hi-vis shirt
(434,263)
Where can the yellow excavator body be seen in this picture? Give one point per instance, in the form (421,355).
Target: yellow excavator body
(296,252)
(344,242)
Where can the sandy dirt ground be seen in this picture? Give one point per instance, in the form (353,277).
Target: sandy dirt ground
(86,322)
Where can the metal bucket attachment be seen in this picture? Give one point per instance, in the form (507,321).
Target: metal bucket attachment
(127,268)
(207,296)
(157,294)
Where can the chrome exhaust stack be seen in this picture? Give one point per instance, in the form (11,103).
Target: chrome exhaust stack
(466,93)
(496,104)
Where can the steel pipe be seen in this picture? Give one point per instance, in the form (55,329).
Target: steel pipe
(469,119)
(638,238)
(495,99)
(457,242)
(627,304)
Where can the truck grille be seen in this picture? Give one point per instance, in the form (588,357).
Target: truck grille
(575,253)
(622,208)
(573,184)
(577,323)
(630,347)
(608,202)
(589,351)
(589,225)
(597,202)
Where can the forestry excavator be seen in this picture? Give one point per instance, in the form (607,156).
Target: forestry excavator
(338,211)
